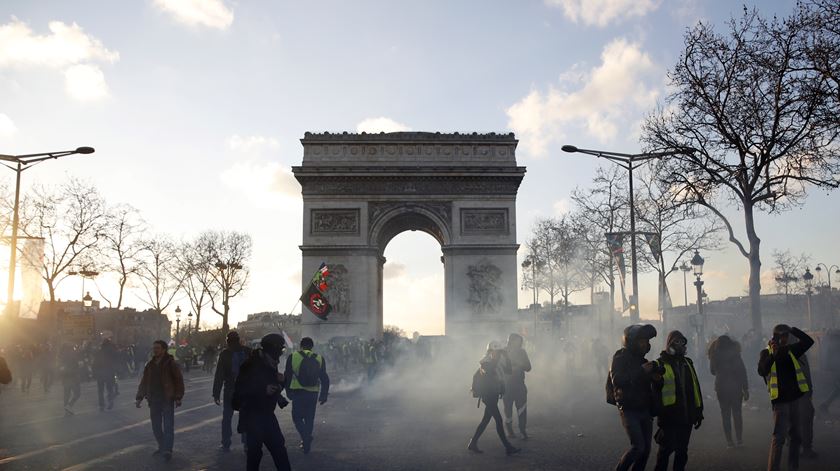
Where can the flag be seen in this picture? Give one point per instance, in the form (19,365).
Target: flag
(314,296)
(289,343)
(615,242)
(655,244)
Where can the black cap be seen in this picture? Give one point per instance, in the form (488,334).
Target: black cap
(273,345)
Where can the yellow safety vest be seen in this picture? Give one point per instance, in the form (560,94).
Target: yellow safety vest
(669,388)
(773,383)
(297,359)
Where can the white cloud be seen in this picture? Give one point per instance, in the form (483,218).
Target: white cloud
(7,126)
(264,181)
(209,13)
(252,144)
(604,12)
(85,82)
(561,207)
(619,90)
(66,47)
(381,124)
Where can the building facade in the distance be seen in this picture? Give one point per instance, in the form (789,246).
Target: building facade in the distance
(262,323)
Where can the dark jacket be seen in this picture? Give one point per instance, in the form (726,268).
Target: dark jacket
(519,364)
(786,372)
(224,370)
(249,393)
(323,377)
(171,378)
(105,362)
(685,410)
(5,373)
(633,387)
(728,369)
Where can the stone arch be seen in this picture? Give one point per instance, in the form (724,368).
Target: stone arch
(401,217)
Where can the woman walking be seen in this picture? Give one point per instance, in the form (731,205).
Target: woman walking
(731,385)
(488,386)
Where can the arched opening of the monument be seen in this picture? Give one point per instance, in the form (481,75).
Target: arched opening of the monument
(413,285)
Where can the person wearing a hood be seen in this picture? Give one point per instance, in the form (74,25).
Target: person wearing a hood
(629,383)
(786,383)
(681,402)
(227,368)
(516,394)
(731,385)
(163,387)
(489,386)
(258,389)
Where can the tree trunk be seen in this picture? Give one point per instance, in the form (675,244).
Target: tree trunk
(122,288)
(755,269)
(51,289)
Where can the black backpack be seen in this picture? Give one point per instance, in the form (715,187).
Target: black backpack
(484,384)
(610,390)
(309,371)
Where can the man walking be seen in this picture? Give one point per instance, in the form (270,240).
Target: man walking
(163,387)
(308,383)
(70,377)
(227,369)
(104,370)
(515,391)
(629,387)
(786,383)
(681,401)
(258,389)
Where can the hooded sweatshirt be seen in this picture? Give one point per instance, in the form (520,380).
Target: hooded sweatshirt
(685,410)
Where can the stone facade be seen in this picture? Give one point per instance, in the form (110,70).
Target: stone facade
(361,190)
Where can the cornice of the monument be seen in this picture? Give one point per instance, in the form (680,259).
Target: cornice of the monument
(408,137)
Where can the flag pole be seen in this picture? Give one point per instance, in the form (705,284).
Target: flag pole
(292,311)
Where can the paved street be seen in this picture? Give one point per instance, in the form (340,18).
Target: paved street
(398,424)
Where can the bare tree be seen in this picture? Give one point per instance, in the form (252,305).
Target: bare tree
(159,273)
(751,115)
(71,221)
(569,266)
(195,270)
(543,246)
(226,255)
(122,245)
(788,270)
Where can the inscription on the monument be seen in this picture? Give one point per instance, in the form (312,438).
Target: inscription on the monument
(489,221)
(335,221)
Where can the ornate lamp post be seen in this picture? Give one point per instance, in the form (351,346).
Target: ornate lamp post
(808,278)
(189,326)
(177,326)
(87,302)
(697,263)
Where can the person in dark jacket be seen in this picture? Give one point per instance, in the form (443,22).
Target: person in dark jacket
(681,402)
(779,365)
(494,366)
(71,377)
(5,372)
(731,385)
(227,368)
(162,386)
(105,371)
(515,391)
(305,396)
(257,391)
(631,375)
(807,412)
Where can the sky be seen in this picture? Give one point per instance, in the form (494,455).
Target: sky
(196,108)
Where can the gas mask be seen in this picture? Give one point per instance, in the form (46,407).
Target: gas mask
(677,347)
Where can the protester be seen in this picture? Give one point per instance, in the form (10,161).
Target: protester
(370,358)
(257,391)
(630,388)
(731,385)
(227,369)
(516,394)
(71,379)
(5,372)
(163,388)
(488,387)
(681,402)
(807,412)
(104,370)
(307,383)
(786,383)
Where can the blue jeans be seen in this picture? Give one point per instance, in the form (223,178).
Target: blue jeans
(639,428)
(162,414)
(303,412)
(227,418)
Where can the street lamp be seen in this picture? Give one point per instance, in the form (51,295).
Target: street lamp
(189,326)
(87,301)
(685,269)
(627,161)
(808,278)
(19,163)
(177,326)
(84,273)
(697,263)
(828,272)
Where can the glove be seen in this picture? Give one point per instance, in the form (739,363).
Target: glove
(746,395)
(322,401)
(698,423)
(282,402)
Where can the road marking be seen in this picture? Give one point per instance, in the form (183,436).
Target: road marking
(92,463)
(57,446)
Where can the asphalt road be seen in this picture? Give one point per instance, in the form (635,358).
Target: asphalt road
(394,424)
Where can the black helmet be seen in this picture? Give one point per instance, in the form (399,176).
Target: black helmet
(638,331)
(273,345)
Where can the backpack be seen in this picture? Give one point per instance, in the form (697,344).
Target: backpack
(309,371)
(483,384)
(610,390)
(237,358)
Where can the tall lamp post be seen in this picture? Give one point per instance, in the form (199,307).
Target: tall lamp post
(697,263)
(808,278)
(19,163)
(685,269)
(828,272)
(627,162)
(177,326)
(189,327)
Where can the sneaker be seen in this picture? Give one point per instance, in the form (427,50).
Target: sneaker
(740,444)
(167,456)
(68,411)
(157,453)
(730,445)
(524,435)
(224,448)
(473,447)
(512,450)
(110,404)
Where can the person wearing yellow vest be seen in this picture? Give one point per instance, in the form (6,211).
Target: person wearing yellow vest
(308,384)
(680,402)
(786,384)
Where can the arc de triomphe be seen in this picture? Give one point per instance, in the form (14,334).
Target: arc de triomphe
(361,190)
